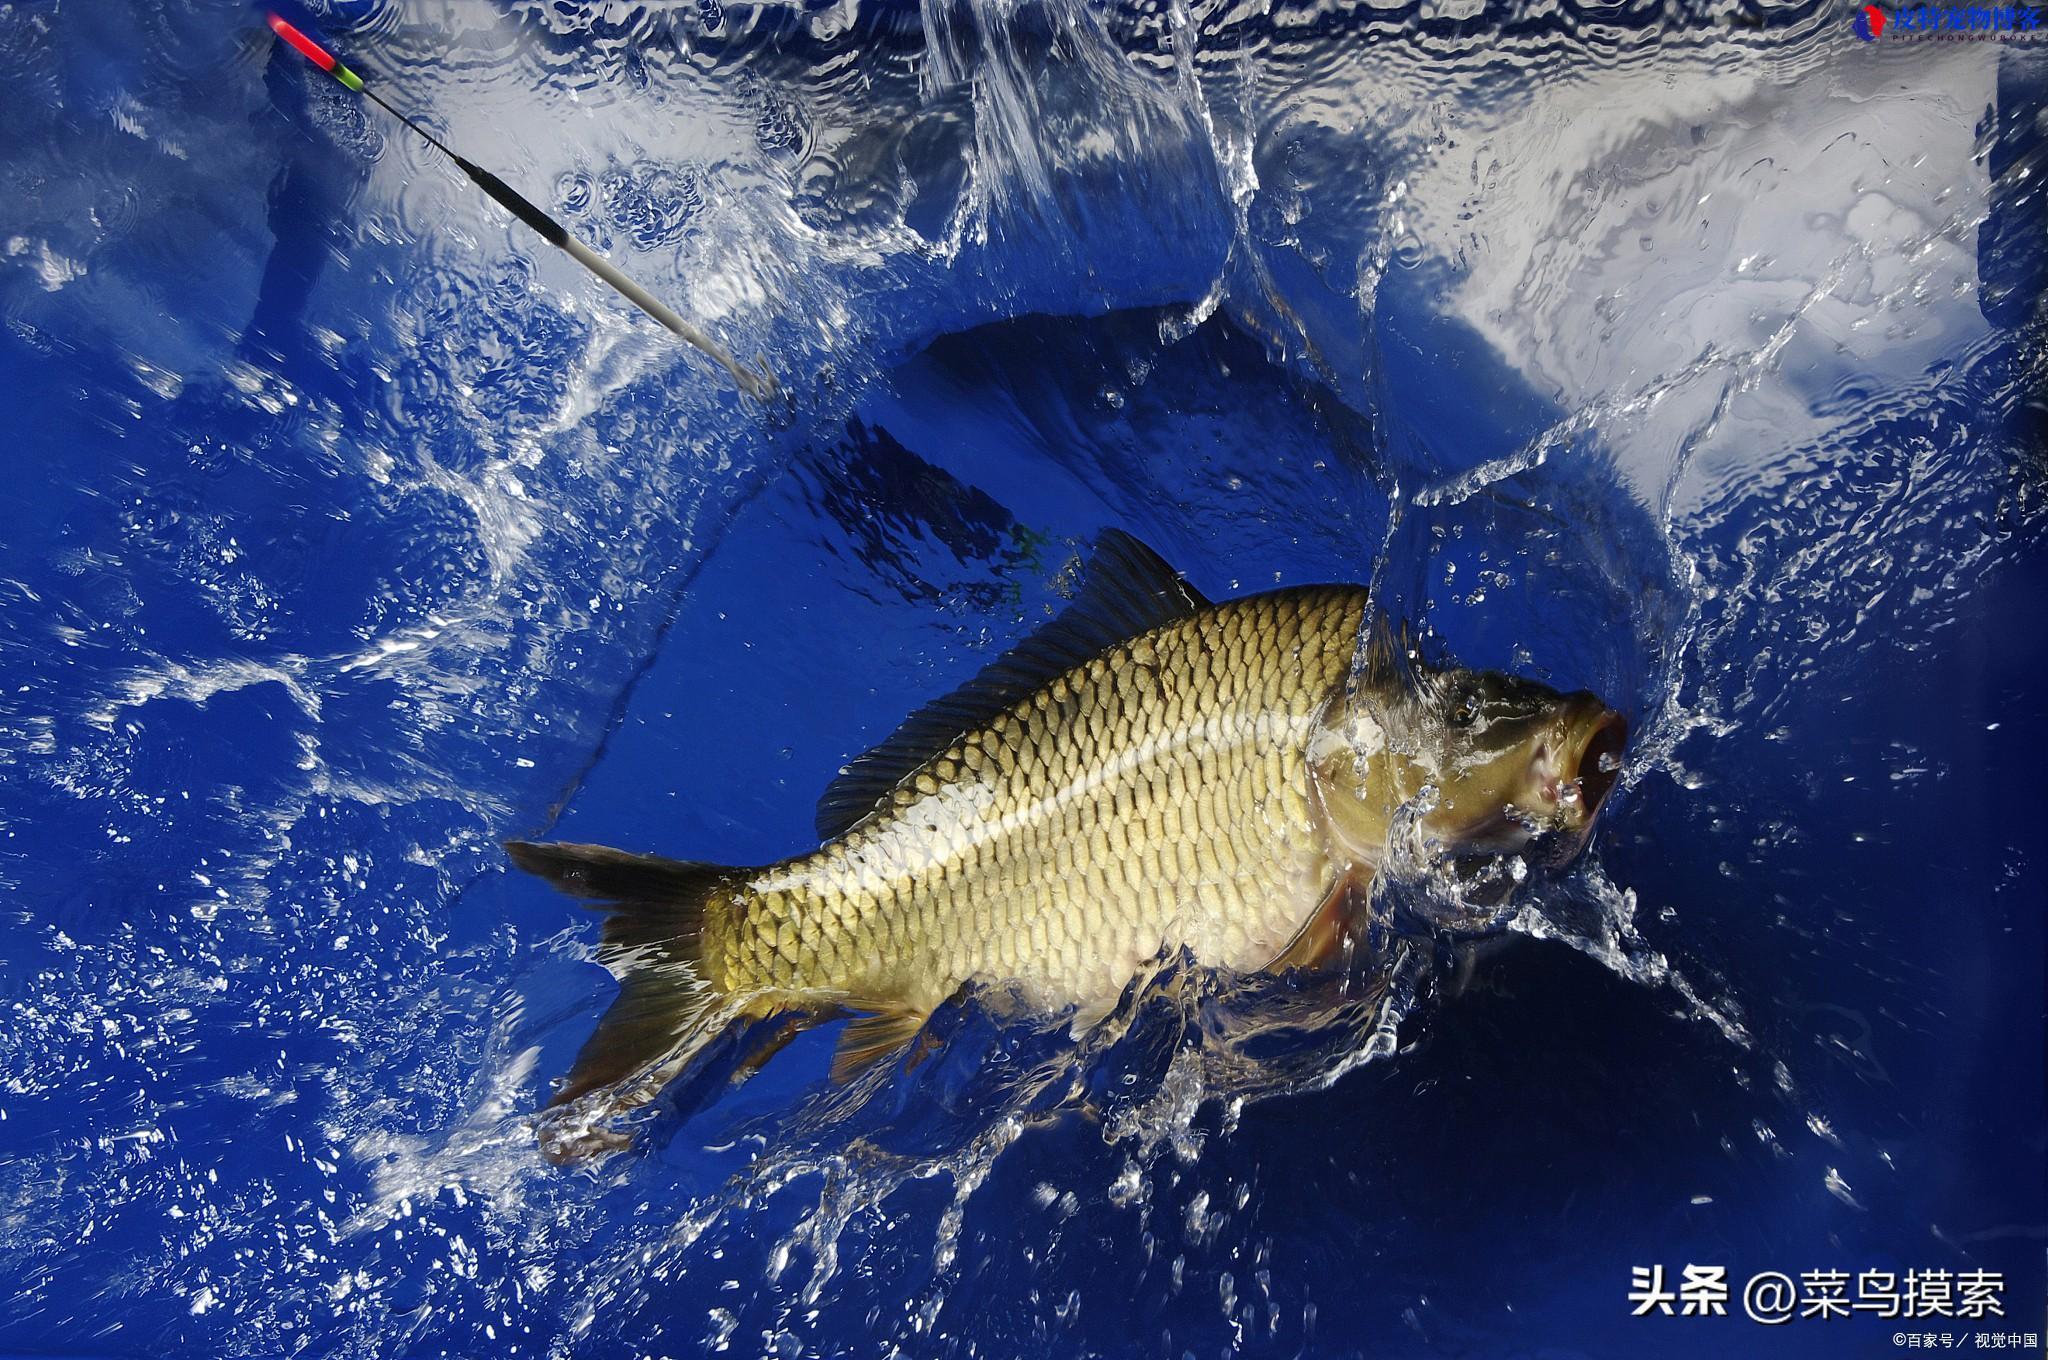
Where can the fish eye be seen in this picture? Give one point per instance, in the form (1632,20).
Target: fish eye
(1464,706)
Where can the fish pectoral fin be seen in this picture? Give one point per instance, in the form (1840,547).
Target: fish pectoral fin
(1321,939)
(870,1038)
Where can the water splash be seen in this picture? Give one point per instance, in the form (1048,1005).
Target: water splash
(377,518)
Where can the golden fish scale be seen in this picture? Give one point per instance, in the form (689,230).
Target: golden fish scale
(1161,790)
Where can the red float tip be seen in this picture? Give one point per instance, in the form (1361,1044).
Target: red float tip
(309,49)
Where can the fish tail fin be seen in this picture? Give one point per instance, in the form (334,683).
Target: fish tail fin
(669,1004)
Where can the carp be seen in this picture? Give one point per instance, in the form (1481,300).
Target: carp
(1148,770)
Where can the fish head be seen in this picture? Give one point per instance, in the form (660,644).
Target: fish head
(1515,763)
(1498,764)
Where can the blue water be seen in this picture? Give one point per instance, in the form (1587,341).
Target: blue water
(1693,358)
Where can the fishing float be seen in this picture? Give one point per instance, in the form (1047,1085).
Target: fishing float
(759,384)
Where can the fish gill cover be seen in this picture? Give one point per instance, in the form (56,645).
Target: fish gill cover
(1690,355)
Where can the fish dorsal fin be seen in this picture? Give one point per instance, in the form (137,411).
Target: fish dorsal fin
(1126,589)
(1390,653)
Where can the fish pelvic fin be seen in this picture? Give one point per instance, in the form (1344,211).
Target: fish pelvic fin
(670,1004)
(870,1038)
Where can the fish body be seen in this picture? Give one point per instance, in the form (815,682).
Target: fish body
(1161,789)
(1150,770)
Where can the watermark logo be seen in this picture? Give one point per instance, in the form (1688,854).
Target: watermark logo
(1950,21)
(1773,1298)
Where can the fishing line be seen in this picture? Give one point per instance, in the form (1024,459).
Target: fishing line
(758,383)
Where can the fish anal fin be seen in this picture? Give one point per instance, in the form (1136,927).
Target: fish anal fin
(870,1038)
(1321,938)
(565,1142)
(1126,589)
(778,1034)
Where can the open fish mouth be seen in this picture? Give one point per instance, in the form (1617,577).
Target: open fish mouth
(1599,761)
(1588,771)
